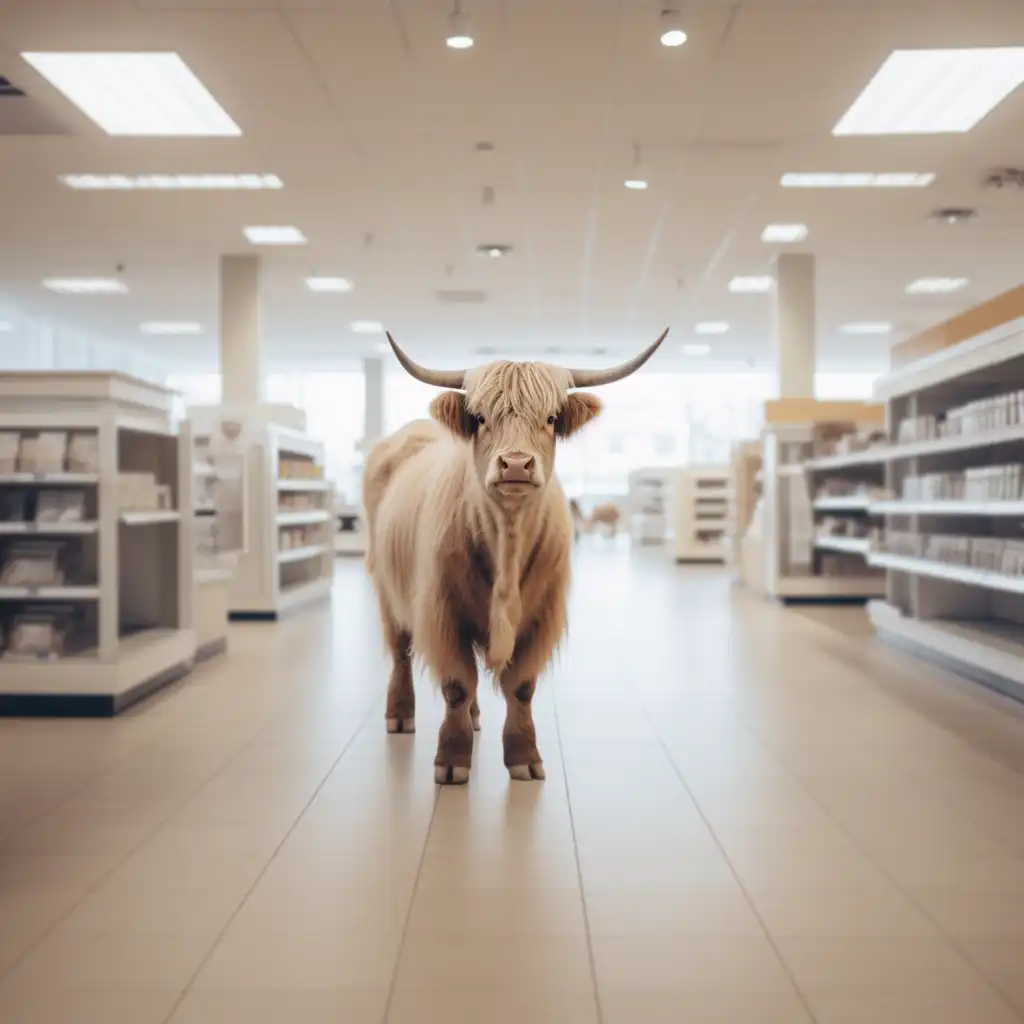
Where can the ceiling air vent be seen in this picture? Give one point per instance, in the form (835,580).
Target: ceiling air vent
(461,296)
(954,215)
(7,88)
(1005,177)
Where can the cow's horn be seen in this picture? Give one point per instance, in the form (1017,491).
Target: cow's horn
(439,378)
(594,378)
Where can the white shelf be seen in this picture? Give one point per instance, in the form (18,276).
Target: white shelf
(301,554)
(823,587)
(54,593)
(50,479)
(50,529)
(948,508)
(868,457)
(962,442)
(148,517)
(844,503)
(953,573)
(969,646)
(304,517)
(303,593)
(848,545)
(299,484)
(207,469)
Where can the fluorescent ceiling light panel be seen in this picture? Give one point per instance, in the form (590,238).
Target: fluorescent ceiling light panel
(866,327)
(936,285)
(182,182)
(743,285)
(784,233)
(328,284)
(696,350)
(929,92)
(856,179)
(85,285)
(711,327)
(171,327)
(367,326)
(135,93)
(275,235)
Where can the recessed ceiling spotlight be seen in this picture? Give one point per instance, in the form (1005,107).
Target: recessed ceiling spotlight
(928,92)
(170,327)
(711,327)
(275,235)
(367,326)
(636,184)
(672,33)
(936,285)
(85,285)
(328,284)
(696,350)
(637,180)
(459,36)
(494,250)
(954,215)
(867,327)
(760,283)
(183,182)
(856,179)
(135,93)
(784,233)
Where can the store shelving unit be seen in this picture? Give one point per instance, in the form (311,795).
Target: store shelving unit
(953,550)
(351,536)
(701,513)
(811,536)
(744,495)
(116,624)
(649,492)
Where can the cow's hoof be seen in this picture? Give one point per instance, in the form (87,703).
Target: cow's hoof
(476,723)
(450,775)
(527,772)
(401,725)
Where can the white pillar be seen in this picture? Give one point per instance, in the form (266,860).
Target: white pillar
(795,328)
(373,389)
(241,331)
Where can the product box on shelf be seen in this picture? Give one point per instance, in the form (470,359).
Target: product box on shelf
(42,452)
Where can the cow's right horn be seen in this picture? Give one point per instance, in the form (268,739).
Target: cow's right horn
(438,378)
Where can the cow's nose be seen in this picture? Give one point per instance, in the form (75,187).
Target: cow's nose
(516,468)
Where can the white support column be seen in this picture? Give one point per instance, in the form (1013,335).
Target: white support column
(794,325)
(241,331)
(373,386)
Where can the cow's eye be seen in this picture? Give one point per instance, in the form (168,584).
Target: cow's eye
(480,418)
(551,421)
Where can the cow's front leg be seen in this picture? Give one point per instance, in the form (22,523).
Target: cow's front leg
(401,706)
(455,740)
(522,758)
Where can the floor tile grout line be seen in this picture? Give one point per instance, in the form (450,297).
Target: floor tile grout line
(886,873)
(762,924)
(393,985)
(576,855)
(270,860)
(151,834)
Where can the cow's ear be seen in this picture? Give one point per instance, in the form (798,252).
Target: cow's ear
(449,409)
(579,409)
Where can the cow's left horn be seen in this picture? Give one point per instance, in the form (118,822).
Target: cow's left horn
(439,378)
(594,378)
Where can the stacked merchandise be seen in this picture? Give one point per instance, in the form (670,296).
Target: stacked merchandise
(47,452)
(849,443)
(837,487)
(293,537)
(299,501)
(299,469)
(983,483)
(978,417)
(994,554)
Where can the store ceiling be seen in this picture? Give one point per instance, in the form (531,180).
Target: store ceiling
(372,123)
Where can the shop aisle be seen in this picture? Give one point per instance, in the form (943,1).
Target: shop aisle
(751,815)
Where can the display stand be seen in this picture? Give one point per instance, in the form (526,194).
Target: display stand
(649,490)
(813,523)
(953,550)
(97,557)
(701,513)
(351,526)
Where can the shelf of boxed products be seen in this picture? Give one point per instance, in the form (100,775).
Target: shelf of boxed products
(952,549)
(93,613)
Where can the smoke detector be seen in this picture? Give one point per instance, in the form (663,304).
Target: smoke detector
(954,215)
(1005,177)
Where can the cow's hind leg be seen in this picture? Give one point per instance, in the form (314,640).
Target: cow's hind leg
(400,713)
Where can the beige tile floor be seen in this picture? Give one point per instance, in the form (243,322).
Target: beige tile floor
(751,815)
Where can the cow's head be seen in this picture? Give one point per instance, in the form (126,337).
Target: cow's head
(514,412)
